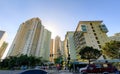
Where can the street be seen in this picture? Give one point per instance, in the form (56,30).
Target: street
(49,72)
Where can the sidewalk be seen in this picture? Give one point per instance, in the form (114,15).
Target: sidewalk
(59,72)
(64,72)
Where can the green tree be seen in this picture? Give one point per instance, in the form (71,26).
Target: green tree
(23,60)
(4,63)
(112,49)
(58,60)
(89,53)
(12,61)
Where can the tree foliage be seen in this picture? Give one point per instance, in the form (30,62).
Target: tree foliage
(58,60)
(112,49)
(18,61)
(89,53)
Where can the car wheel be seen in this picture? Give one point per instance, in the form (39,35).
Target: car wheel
(84,73)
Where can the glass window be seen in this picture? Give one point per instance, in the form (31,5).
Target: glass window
(91,24)
(92,27)
(98,66)
(99,46)
(97,38)
(105,65)
(83,27)
(95,34)
(104,28)
(98,42)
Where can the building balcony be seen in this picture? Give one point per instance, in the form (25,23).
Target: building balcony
(103,28)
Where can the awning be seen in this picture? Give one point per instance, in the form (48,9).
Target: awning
(107,60)
(77,62)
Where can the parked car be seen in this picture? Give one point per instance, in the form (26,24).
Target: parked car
(98,68)
(37,67)
(34,72)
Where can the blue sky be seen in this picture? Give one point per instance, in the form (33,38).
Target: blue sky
(59,16)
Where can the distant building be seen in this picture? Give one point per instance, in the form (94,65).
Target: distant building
(3,44)
(51,50)
(30,39)
(62,47)
(116,37)
(45,48)
(69,47)
(90,33)
(57,50)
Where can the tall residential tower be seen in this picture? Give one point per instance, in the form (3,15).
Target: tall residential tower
(69,47)
(57,46)
(30,39)
(3,44)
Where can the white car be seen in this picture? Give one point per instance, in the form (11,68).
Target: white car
(81,69)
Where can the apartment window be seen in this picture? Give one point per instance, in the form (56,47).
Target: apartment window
(104,28)
(91,24)
(93,30)
(92,27)
(98,42)
(96,38)
(99,46)
(95,34)
(84,28)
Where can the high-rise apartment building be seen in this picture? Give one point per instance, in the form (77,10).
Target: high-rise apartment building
(45,46)
(69,47)
(30,39)
(62,47)
(51,51)
(3,44)
(57,50)
(90,33)
(116,37)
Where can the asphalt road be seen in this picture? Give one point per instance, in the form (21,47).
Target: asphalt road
(49,71)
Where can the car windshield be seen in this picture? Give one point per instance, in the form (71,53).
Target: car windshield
(98,66)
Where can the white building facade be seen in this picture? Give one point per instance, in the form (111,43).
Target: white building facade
(69,47)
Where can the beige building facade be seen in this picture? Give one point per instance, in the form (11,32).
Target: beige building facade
(51,50)
(90,33)
(29,39)
(57,50)
(3,44)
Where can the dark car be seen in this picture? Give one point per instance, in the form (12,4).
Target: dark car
(34,72)
(98,68)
